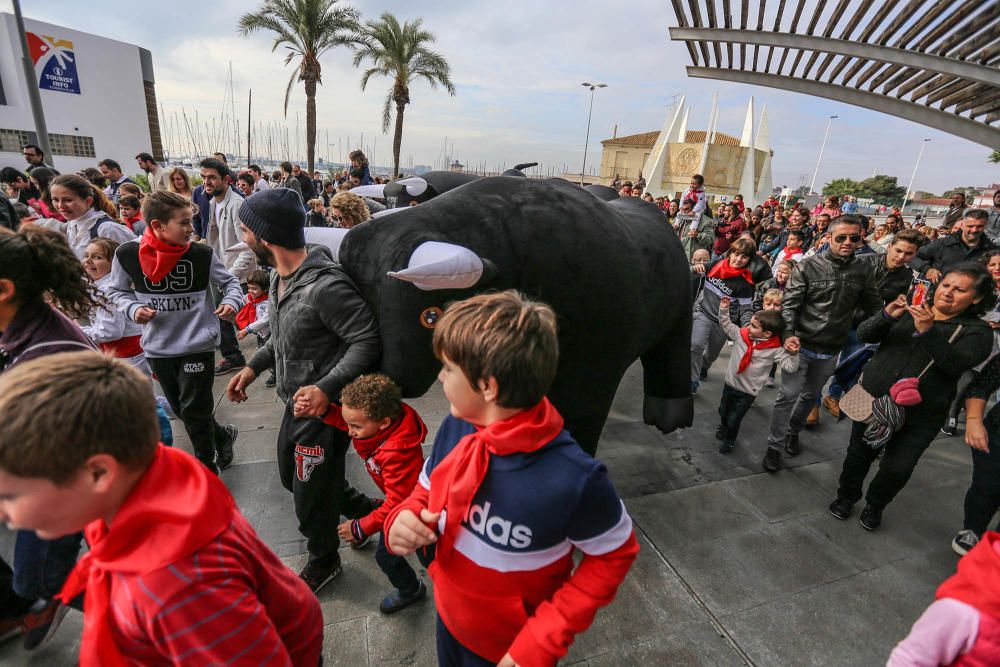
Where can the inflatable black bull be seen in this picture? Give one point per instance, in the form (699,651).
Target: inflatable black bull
(613,271)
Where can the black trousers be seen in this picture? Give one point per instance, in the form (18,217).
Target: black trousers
(399,572)
(311,466)
(902,452)
(12,605)
(982,500)
(187,384)
(733,408)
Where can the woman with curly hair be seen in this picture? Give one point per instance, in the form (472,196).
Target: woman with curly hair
(42,286)
(89,212)
(348,210)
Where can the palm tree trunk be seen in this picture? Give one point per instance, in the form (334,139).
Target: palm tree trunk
(310,84)
(397,139)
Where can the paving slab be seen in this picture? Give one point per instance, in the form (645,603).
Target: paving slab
(691,646)
(346,643)
(777,497)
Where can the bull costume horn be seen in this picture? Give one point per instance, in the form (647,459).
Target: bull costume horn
(435,265)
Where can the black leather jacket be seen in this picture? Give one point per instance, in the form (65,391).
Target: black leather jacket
(821,298)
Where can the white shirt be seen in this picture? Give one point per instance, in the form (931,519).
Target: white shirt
(261,184)
(78,231)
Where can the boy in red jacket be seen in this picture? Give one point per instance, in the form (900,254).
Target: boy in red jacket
(507,495)
(175,574)
(387,435)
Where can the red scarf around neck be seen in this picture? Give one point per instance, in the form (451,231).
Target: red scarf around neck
(724,271)
(130,222)
(791,252)
(978,578)
(248,313)
(773,341)
(177,507)
(457,477)
(407,431)
(158,258)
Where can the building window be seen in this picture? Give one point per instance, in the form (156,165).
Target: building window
(71,145)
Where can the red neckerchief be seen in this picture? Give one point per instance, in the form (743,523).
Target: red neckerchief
(773,341)
(724,271)
(457,477)
(158,258)
(692,194)
(248,313)
(407,431)
(129,222)
(978,577)
(177,507)
(791,252)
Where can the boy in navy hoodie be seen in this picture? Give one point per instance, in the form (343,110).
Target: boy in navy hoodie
(162,281)
(507,495)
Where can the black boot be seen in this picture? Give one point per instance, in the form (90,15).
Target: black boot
(871,517)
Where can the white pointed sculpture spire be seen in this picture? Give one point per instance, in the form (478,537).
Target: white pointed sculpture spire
(763,143)
(713,117)
(748,179)
(671,132)
(747,137)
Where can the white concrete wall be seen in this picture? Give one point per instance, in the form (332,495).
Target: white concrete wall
(111,106)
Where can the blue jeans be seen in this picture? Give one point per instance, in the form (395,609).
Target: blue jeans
(733,408)
(41,566)
(851,346)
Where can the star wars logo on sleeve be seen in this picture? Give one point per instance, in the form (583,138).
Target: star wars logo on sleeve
(306,460)
(55,63)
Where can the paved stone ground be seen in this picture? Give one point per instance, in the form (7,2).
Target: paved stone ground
(737,566)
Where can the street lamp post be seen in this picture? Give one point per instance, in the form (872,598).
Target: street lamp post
(821,149)
(586,143)
(34,97)
(914,174)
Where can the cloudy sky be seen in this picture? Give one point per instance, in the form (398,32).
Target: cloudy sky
(517,66)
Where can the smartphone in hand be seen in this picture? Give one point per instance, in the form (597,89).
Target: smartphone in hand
(918,291)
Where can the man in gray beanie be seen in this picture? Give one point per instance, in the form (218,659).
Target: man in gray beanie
(323,336)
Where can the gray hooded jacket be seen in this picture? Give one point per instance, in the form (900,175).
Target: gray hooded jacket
(322,331)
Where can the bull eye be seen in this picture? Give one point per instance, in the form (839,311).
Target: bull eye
(430,316)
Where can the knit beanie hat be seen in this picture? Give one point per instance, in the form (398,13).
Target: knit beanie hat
(276,216)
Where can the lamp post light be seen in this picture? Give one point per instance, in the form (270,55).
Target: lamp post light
(821,149)
(914,174)
(586,143)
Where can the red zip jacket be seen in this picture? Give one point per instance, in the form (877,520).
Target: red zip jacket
(394,460)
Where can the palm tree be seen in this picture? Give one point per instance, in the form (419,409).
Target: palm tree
(400,52)
(307,29)
(995,157)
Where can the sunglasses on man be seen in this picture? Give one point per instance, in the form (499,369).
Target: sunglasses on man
(854,238)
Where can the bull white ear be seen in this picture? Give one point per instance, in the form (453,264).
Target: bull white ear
(331,237)
(415,186)
(435,265)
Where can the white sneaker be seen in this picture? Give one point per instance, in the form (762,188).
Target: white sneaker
(964,542)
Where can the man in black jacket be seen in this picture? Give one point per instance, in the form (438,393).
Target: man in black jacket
(820,301)
(323,336)
(969,244)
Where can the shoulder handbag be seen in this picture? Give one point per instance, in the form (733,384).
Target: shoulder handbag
(857,402)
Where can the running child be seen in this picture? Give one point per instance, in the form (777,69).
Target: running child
(163,281)
(387,435)
(253,316)
(175,574)
(756,348)
(507,495)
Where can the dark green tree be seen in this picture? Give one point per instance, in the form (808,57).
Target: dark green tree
(307,29)
(401,53)
(839,187)
(882,188)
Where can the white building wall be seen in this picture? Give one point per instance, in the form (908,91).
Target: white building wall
(111,106)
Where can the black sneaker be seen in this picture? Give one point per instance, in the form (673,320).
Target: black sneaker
(317,576)
(720,433)
(703,375)
(726,446)
(396,601)
(792,446)
(227,366)
(772,460)
(950,427)
(271,382)
(39,626)
(841,508)
(871,517)
(224,452)
(964,542)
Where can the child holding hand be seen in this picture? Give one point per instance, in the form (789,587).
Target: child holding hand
(756,348)
(387,434)
(507,495)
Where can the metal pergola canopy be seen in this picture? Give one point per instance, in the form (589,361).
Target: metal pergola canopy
(933,62)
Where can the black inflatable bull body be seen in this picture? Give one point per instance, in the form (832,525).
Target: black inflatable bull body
(613,271)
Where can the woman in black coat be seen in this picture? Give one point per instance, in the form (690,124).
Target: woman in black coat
(911,337)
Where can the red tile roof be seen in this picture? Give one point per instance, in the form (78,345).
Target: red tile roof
(647,139)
